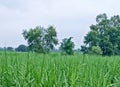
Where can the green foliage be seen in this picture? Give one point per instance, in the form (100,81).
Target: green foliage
(105,34)
(41,40)
(21,48)
(1,49)
(67,46)
(96,50)
(10,49)
(51,38)
(54,70)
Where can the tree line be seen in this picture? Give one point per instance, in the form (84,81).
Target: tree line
(20,48)
(43,40)
(102,39)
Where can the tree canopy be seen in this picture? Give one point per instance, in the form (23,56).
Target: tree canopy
(21,48)
(67,46)
(41,40)
(105,34)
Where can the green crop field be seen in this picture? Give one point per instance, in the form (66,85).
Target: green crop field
(54,70)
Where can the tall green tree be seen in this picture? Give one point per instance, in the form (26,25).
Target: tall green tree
(67,46)
(104,34)
(41,40)
(50,38)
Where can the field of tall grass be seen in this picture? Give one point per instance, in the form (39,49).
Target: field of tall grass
(54,70)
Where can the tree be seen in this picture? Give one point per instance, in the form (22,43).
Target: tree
(21,48)
(10,49)
(41,40)
(1,49)
(67,46)
(50,38)
(105,34)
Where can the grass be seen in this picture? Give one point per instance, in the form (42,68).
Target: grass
(54,70)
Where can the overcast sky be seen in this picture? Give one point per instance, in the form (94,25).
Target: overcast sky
(69,17)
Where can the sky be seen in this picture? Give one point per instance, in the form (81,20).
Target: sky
(69,17)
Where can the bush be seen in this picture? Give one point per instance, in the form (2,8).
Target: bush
(96,50)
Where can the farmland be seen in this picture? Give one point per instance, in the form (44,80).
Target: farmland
(54,70)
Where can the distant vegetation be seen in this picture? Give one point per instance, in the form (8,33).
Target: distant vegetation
(67,46)
(41,40)
(39,64)
(20,48)
(102,39)
(104,36)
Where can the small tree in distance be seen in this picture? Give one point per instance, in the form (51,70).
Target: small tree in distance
(10,49)
(67,46)
(21,48)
